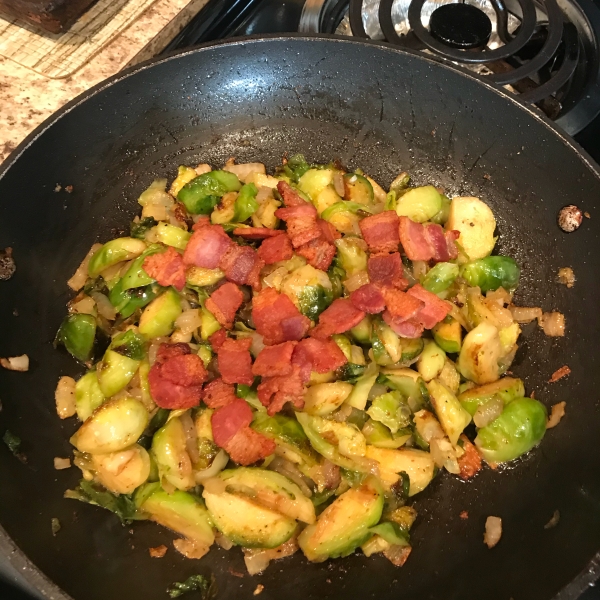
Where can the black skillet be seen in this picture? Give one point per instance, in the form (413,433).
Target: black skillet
(374,107)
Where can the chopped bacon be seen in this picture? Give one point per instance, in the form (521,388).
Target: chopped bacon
(167,268)
(235,362)
(217,339)
(248,446)
(368,298)
(186,370)
(414,241)
(229,419)
(166,351)
(218,393)
(242,265)
(470,461)
(400,305)
(451,237)
(201,221)
(381,231)
(290,196)
(386,269)
(321,356)
(437,240)
(407,329)
(560,373)
(301,223)
(257,233)
(275,249)
(340,316)
(276,317)
(224,303)
(328,232)
(318,253)
(435,309)
(206,247)
(275,392)
(171,395)
(274,360)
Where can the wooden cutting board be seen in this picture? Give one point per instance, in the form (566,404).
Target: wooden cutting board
(52,15)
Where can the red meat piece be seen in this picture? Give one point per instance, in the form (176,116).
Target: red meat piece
(275,392)
(171,395)
(241,265)
(328,232)
(451,237)
(186,370)
(201,221)
(386,269)
(368,298)
(275,249)
(224,303)
(217,394)
(406,329)
(166,351)
(290,196)
(321,356)
(228,420)
(435,309)
(235,362)
(318,253)
(248,446)
(340,316)
(437,240)
(274,360)
(414,241)
(257,233)
(167,268)
(400,305)
(381,231)
(301,223)
(217,339)
(206,247)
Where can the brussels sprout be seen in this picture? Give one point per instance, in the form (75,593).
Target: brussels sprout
(245,203)
(440,277)
(295,167)
(114,252)
(519,428)
(392,533)
(343,344)
(491,273)
(391,410)
(450,376)
(448,335)
(202,193)
(350,372)
(114,426)
(88,395)
(362,331)
(419,204)
(480,353)
(442,216)
(122,472)
(136,276)
(126,302)
(310,289)
(313,181)
(265,214)
(409,383)
(346,206)
(130,344)
(324,398)
(386,344)
(115,372)
(400,184)
(170,235)
(184,175)
(508,337)
(358,189)
(390,201)
(78,332)
(431,361)
(351,255)
(507,388)
(201,277)
(170,452)
(158,318)
(208,324)
(360,394)
(139,229)
(155,194)
(380,436)
(452,416)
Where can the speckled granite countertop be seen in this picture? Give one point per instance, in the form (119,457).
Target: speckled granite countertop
(27,98)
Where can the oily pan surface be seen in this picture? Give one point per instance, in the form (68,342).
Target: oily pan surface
(382,110)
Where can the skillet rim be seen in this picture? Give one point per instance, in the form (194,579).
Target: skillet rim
(17,559)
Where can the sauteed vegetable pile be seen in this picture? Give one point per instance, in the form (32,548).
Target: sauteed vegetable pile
(283,362)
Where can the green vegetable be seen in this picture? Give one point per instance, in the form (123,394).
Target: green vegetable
(323,398)
(350,372)
(205,353)
(202,193)
(343,344)
(140,228)
(196,583)
(115,251)
(358,398)
(115,372)
(380,436)
(519,428)
(155,194)
(492,272)
(184,175)
(158,318)
(126,302)
(450,376)
(78,332)
(392,533)
(171,235)
(362,331)
(208,324)
(136,276)
(313,300)
(448,335)
(419,204)
(313,181)
(391,410)
(246,204)
(358,189)
(507,388)
(12,441)
(442,216)
(170,452)
(452,416)
(480,353)
(88,395)
(390,201)
(130,344)
(134,467)
(440,277)
(345,206)
(200,277)
(344,525)
(400,184)
(431,361)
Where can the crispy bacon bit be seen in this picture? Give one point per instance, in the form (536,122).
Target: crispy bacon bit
(340,316)
(328,232)
(241,265)
(207,246)
(438,242)
(414,241)
(275,249)
(381,231)
(235,362)
(470,461)
(248,446)
(276,317)
(201,221)
(451,237)
(318,253)
(400,305)
(186,370)
(301,223)
(386,269)
(556,414)
(158,552)
(368,298)
(166,351)
(321,356)
(290,196)
(217,394)
(435,309)
(407,329)
(274,360)
(275,392)
(224,303)
(167,268)
(257,233)
(229,419)
(464,515)
(559,374)
(217,339)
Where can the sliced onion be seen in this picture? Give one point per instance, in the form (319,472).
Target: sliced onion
(291,471)
(377,390)
(499,296)
(264,193)
(202,168)
(244,170)
(556,414)
(189,321)
(397,555)
(502,315)
(223,541)
(275,278)
(84,306)
(488,412)
(64,395)
(190,548)
(331,474)
(105,308)
(218,464)
(80,276)
(493,531)
(257,560)
(214,485)
(357,280)
(523,314)
(566,276)
(16,363)
(553,324)
(428,426)
(443,455)
(338,184)
(191,438)
(153,349)
(419,268)
(61,463)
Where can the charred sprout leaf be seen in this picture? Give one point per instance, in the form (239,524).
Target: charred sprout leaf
(295,167)
(350,372)
(77,332)
(158,420)
(336,275)
(130,344)
(392,533)
(138,230)
(91,493)
(196,583)
(13,442)
(354,478)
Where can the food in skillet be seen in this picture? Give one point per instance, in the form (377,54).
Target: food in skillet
(283,362)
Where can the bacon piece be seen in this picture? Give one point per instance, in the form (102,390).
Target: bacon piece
(235,362)
(171,395)
(201,221)
(274,360)
(257,233)
(435,309)
(186,370)
(275,392)
(206,247)
(340,316)
(451,237)
(276,317)
(368,298)
(401,305)
(248,446)
(318,253)
(321,356)
(241,265)
(414,241)
(290,196)
(167,268)
(328,232)
(407,329)
(470,461)
(275,249)
(439,242)
(224,302)
(228,420)
(217,339)
(301,223)
(381,231)
(218,393)
(166,351)
(386,269)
